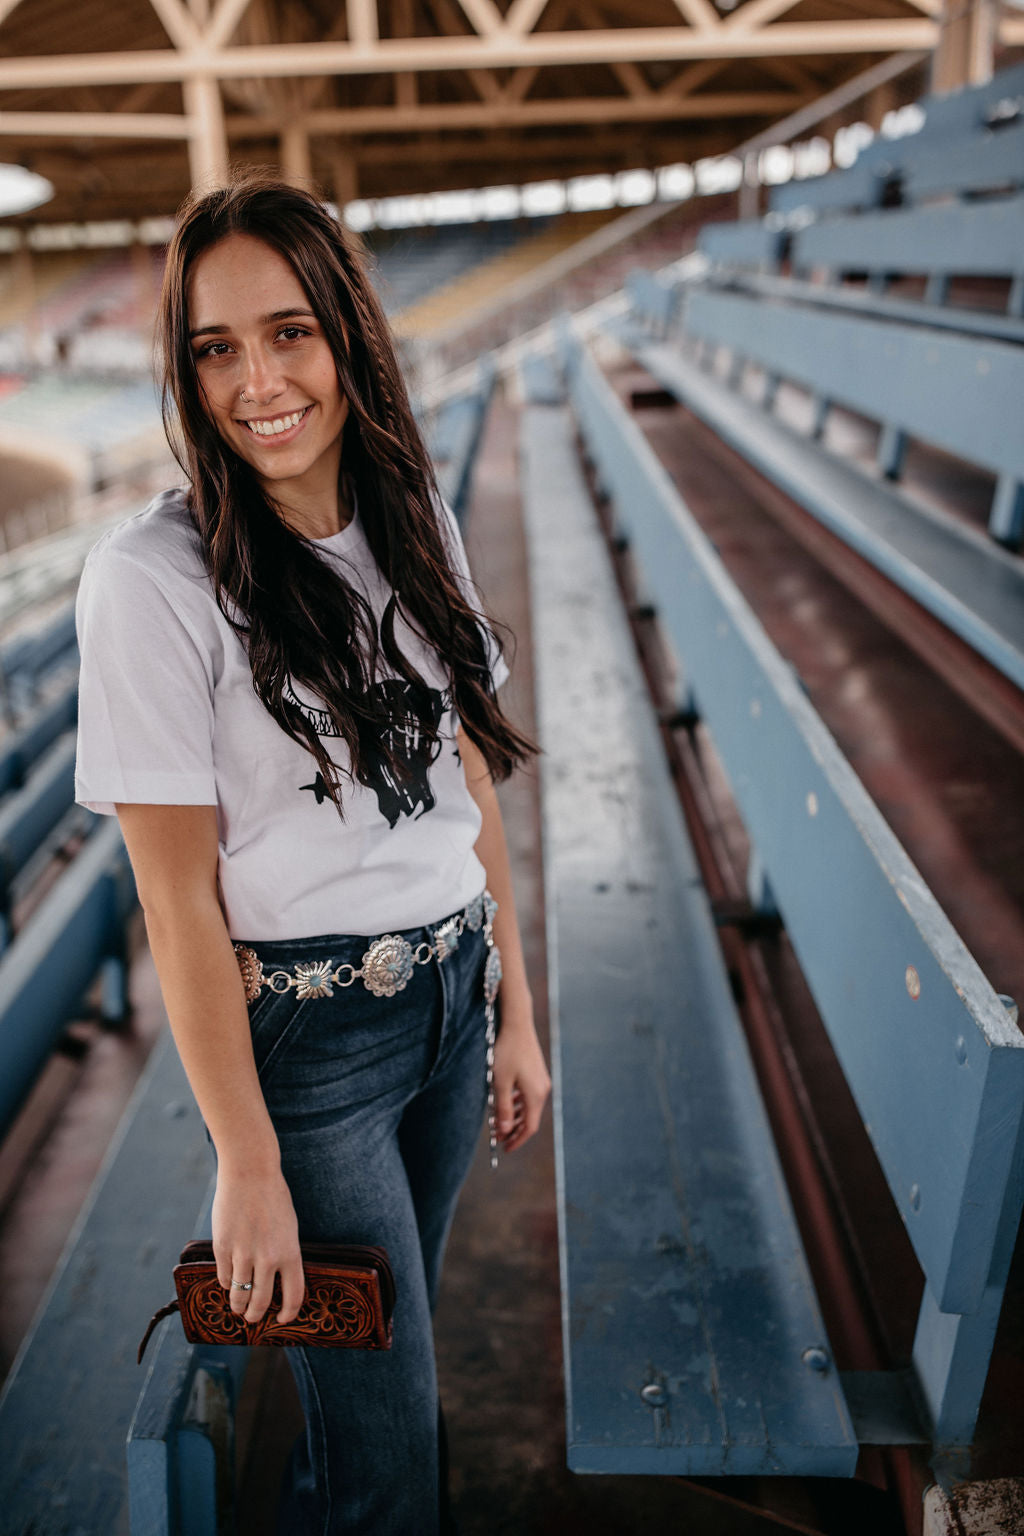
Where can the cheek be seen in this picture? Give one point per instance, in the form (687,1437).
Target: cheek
(219,394)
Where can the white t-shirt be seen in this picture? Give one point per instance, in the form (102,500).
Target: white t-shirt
(168,716)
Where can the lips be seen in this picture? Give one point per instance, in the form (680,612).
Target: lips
(276,428)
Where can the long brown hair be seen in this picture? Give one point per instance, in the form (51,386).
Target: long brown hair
(299,618)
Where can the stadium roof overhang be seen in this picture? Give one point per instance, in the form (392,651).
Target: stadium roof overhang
(120,105)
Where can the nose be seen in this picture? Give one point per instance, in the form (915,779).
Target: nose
(261,380)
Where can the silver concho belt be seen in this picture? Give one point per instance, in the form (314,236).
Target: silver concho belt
(386,968)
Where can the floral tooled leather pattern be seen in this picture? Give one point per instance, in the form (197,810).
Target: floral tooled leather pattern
(340,1308)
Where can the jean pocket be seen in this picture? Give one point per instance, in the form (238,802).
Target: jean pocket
(272,1023)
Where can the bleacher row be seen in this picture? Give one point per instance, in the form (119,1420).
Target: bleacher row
(693,1339)
(74,1388)
(92,315)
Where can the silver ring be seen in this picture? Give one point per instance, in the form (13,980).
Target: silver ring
(245,397)
(242,1285)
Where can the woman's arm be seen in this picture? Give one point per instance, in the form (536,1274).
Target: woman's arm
(521,1081)
(173,849)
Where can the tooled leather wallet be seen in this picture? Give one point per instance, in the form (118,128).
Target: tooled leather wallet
(349,1300)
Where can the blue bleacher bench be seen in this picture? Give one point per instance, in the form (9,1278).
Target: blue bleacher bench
(915,380)
(970,141)
(454,437)
(71,1395)
(76,933)
(37,730)
(693,1341)
(911,380)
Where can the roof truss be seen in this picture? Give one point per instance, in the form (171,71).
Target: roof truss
(244,72)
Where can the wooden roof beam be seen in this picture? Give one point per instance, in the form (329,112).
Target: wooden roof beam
(483,16)
(95,125)
(700,14)
(691,77)
(486,84)
(178,23)
(632,79)
(638,45)
(455,116)
(363,24)
(519,82)
(522,15)
(225,19)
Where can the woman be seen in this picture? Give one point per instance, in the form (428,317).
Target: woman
(288,698)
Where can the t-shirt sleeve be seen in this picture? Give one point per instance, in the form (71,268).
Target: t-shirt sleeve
(496,661)
(145,710)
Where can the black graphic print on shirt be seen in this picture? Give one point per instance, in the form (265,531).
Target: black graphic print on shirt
(402,736)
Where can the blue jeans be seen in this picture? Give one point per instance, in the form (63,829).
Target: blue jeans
(377,1103)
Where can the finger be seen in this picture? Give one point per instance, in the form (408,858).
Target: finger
(293,1290)
(531,1110)
(239,1269)
(259,1296)
(222,1259)
(504,1106)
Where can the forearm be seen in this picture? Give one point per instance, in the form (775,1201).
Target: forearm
(205,1001)
(492,851)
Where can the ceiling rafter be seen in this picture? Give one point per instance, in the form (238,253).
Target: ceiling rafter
(522,15)
(138,98)
(756,13)
(632,79)
(177,23)
(407,92)
(699,13)
(518,85)
(487,85)
(395,119)
(636,45)
(456,116)
(691,77)
(793,73)
(223,22)
(483,16)
(363,22)
(96,125)
(313,90)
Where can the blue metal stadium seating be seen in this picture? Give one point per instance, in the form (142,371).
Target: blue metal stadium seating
(693,1345)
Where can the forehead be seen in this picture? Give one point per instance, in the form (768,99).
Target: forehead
(240,279)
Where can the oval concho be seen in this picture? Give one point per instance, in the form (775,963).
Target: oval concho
(387,965)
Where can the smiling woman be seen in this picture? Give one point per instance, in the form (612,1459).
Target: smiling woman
(268,377)
(288,695)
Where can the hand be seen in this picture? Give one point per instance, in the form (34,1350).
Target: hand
(521,1080)
(255,1237)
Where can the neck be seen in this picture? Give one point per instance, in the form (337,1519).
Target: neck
(315,513)
(316,522)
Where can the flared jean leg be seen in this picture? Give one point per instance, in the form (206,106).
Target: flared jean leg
(377,1104)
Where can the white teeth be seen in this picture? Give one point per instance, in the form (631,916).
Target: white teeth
(279,424)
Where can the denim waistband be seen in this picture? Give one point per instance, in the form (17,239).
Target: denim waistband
(281,949)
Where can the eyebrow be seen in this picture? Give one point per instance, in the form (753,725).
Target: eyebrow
(271,319)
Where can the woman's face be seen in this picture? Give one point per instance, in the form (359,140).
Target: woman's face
(265,369)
